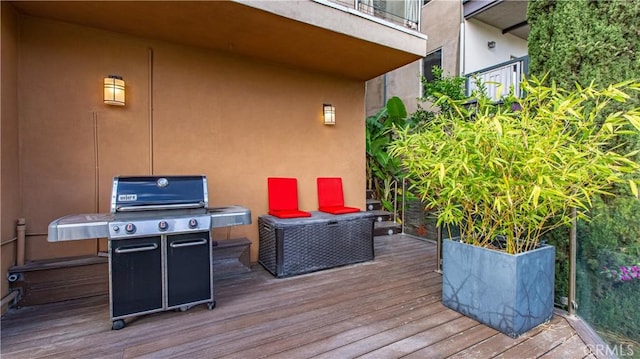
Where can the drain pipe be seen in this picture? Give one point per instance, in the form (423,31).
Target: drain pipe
(150,109)
(20,242)
(12,298)
(462,42)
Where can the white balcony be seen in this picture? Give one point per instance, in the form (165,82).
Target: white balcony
(499,79)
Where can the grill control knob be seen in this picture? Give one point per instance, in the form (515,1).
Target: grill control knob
(193,223)
(163,225)
(130,228)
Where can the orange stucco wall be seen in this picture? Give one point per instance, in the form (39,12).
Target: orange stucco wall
(10,206)
(189,111)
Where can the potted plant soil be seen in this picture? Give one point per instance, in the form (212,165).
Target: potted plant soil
(506,174)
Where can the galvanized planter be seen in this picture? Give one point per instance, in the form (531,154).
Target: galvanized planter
(510,293)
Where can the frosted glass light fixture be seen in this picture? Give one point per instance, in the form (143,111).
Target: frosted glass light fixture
(114,90)
(329,114)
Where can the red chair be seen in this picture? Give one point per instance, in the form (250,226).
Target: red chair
(283,198)
(331,197)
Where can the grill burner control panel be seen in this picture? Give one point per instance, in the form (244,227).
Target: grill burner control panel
(130,228)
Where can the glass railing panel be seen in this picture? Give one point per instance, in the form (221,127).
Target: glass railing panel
(608,275)
(400,12)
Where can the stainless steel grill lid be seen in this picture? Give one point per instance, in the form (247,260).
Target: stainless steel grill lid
(144,193)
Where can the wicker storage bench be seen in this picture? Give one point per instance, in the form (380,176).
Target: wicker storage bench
(301,245)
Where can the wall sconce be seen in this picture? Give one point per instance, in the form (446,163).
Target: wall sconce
(491,44)
(114,90)
(329,114)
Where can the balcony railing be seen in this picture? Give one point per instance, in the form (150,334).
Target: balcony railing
(499,79)
(400,12)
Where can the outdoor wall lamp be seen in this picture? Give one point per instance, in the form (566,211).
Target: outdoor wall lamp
(491,44)
(114,90)
(329,114)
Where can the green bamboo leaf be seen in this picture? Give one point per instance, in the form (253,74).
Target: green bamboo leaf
(535,194)
(634,187)
(497,205)
(634,120)
(609,126)
(498,126)
(442,172)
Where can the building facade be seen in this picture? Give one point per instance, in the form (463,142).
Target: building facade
(233,90)
(483,38)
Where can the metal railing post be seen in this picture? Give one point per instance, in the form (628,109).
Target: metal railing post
(395,200)
(572,262)
(403,206)
(438,249)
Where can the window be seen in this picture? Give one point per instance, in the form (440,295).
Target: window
(431,60)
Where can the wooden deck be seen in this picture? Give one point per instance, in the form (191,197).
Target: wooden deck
(386,308)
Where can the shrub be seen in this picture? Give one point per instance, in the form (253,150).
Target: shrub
(515,172)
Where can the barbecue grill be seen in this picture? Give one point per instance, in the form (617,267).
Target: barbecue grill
(160,244)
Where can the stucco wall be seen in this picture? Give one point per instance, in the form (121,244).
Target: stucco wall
(441,23)
(9,165)
(189,110)
(479,56)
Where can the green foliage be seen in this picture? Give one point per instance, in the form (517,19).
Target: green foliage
(559,238)
(609,241)
(498,172)
(581,41)
(451,86)
(585,42)
(382,170)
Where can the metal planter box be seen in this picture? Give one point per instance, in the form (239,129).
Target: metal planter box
(510,293)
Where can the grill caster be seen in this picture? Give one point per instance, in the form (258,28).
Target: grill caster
(117,324)
(211,305)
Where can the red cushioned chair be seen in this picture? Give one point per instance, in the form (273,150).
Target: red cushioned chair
(330,196)
(283,198)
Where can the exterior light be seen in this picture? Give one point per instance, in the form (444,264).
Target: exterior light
(329,114)
(114,90)
(491,44)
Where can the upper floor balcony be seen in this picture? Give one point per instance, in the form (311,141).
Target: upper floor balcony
(400,12)
(510,16)
(359,40)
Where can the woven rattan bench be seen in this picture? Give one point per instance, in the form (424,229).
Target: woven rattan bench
(295,246)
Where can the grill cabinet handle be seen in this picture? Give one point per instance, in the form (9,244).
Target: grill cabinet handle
(136,249)
(152,207)
(188,243)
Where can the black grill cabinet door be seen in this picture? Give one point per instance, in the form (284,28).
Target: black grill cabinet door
(189,270)
(136,275)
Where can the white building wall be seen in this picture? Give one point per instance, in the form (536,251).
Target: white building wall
(478,55)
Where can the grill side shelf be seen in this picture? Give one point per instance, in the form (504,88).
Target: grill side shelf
(79,226)
(229,216)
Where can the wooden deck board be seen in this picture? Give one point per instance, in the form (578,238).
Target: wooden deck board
(386,308)
(498,344)
(572,348)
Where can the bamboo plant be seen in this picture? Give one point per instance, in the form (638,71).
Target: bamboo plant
(515,172)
